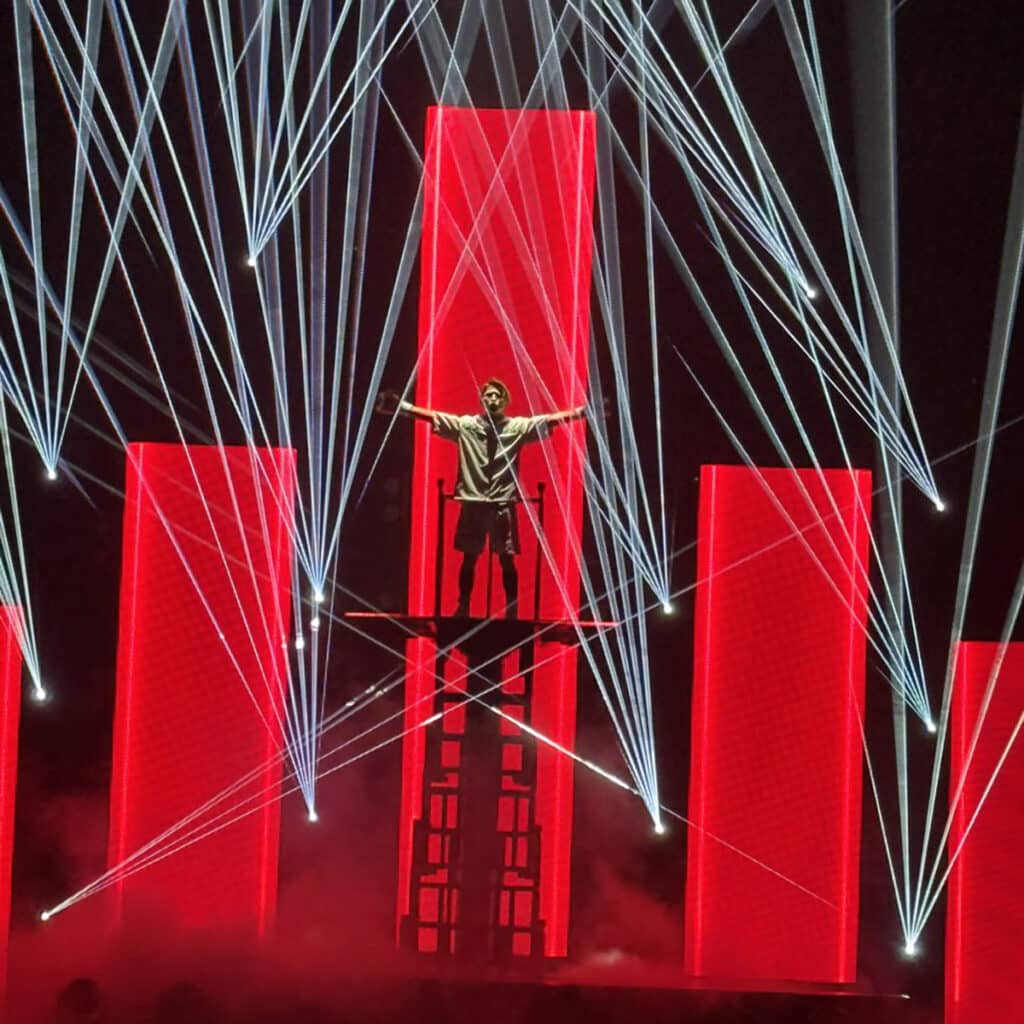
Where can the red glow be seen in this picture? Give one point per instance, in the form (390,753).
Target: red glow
(985,918)
(779,661)
(185,725)
(10,711)
(518,185)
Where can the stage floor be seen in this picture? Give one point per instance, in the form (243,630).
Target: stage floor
(630,990)
(651,995)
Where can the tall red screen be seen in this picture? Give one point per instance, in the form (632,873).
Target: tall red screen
(504,290)
(202,676)
(985,916)
(779,663)
(10,712)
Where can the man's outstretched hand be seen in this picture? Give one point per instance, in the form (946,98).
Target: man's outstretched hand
(387,402)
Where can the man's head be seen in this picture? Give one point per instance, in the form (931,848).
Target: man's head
(495,396)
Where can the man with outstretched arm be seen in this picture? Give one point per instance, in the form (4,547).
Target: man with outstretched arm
(488,485)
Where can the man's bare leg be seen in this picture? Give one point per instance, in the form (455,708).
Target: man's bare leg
(467,574)
(510,583)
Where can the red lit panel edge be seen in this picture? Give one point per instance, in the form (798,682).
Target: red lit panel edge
(10,713)
(985,915)
(775,786)
(520,184)
(201,676)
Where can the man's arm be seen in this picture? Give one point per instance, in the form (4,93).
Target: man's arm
(417,412)
(390,402)
(563,415)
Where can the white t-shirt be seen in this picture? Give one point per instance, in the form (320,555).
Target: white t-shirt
(489,459)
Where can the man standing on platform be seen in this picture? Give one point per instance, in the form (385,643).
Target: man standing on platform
(488,484)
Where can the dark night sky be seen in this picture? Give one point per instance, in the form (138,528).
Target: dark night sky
(959,83)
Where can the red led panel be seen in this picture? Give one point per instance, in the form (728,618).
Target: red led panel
(504,291)
(779,662)
(10,711)
(985,916)
(201,675)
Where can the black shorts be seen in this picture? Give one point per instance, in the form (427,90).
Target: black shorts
(480,521)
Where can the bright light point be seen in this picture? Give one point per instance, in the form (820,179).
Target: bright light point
(314,624)
(940,505)
(250,261)
(659,829)
(910,948)
(39,695)
(668,608)
(300,643)
(318,597)
(931,726)
(51,474)
(45,916)
(810,290)
(313,816)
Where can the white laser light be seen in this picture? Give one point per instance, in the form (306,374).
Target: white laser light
(39,695)
(45,916)
(250,261)
(931,726)
(910,948)
(810,290)
(940,505)
(668,608)
(300,643)
(51,474)
(313,816)
(318,597)
(659,829)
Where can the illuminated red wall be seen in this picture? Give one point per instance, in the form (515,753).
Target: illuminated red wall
(779,663)
(985,916)
(10,712)
(185,725)
(506,251)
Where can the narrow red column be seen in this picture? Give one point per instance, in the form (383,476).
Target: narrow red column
(504,287)
(775,784)
(201,679)
(10,713)
(985,916)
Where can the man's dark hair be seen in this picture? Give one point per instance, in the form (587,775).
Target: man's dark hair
(494,382)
